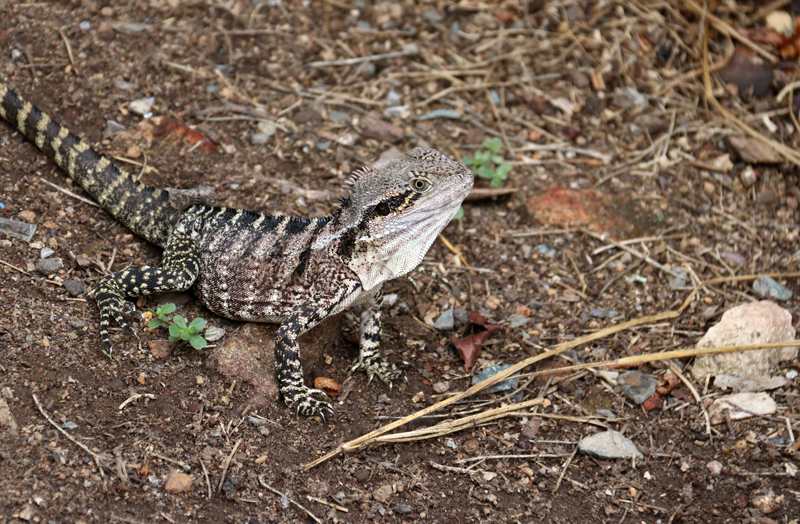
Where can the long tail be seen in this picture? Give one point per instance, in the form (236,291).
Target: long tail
(147,211)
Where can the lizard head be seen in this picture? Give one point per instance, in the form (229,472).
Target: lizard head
(394,212)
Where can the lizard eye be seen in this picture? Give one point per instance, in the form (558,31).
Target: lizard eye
(383,209)
(420,184)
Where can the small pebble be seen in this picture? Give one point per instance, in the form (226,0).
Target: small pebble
(402,509)
(212,334)
(598,313)
(446,321)
(609,445)
(506,385)
(178,482)
(46,252)
(74,287)
(637,387)
(769,287)
(441,387)
(715,467)
(49,266)
(515,321)
(545,250)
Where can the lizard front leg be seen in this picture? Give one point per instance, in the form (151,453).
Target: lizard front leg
(178,271)
(335,286)
(369,357)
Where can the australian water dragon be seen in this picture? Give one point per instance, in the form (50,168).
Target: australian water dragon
(254,267)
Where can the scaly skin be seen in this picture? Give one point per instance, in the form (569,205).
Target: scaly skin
(259,268)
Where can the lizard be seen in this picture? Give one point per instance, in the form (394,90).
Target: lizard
(254,267)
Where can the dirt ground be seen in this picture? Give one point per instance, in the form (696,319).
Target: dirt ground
(599,113)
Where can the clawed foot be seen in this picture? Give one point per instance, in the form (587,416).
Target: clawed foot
(377,367)
(114,307)
(302,401)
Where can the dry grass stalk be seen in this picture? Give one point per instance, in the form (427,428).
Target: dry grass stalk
(788,153)
(451,426)
(373,436)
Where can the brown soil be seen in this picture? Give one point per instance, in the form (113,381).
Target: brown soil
(230,59)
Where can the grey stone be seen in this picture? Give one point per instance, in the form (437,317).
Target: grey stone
(113,128)
(258,139)
(598,313)
(516,320)
(637,387)
(49,266)
(445,322)
(212,334)
(507,385)
(752,323)
(74,287)
(381,130)
(402,509)
(767,287)
(677,283)
(338,117)
(609,445)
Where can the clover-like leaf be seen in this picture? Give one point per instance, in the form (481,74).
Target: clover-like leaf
(197,341)
(180,321)
(185,335)
(155,323)
(485,172)
(459,214)
(503,170)
(174,338)
(175,331)
(468,161)
(198,324)
(167,308)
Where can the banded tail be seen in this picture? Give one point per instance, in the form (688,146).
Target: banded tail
(147,211)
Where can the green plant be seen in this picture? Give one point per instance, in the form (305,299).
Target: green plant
(178,328)
(488,163)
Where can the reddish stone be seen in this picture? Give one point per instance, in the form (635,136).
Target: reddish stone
(654,402)
(569,208)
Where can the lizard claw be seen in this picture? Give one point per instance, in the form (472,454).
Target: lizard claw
(304,404)
(113,306)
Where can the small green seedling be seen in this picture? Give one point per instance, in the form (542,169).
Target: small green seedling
(178,328)
(488,163)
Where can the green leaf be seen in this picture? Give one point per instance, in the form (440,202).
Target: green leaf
(487,144)
(155,323)
(468,161)
(495,145)
(497,182)
(497,159)
(459,214)
(503,170)
(173,338)
(180,321)
(198,324)
(485,172)
(167,308)
(197,341)
(175,331)
(185,335)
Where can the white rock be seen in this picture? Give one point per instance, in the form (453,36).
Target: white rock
(741,405)
(753,323)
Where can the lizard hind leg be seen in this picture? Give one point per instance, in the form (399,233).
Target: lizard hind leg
(178,272)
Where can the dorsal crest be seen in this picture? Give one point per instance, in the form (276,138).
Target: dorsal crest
(355,175)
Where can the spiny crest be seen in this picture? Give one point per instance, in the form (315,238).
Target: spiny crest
(355,175)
